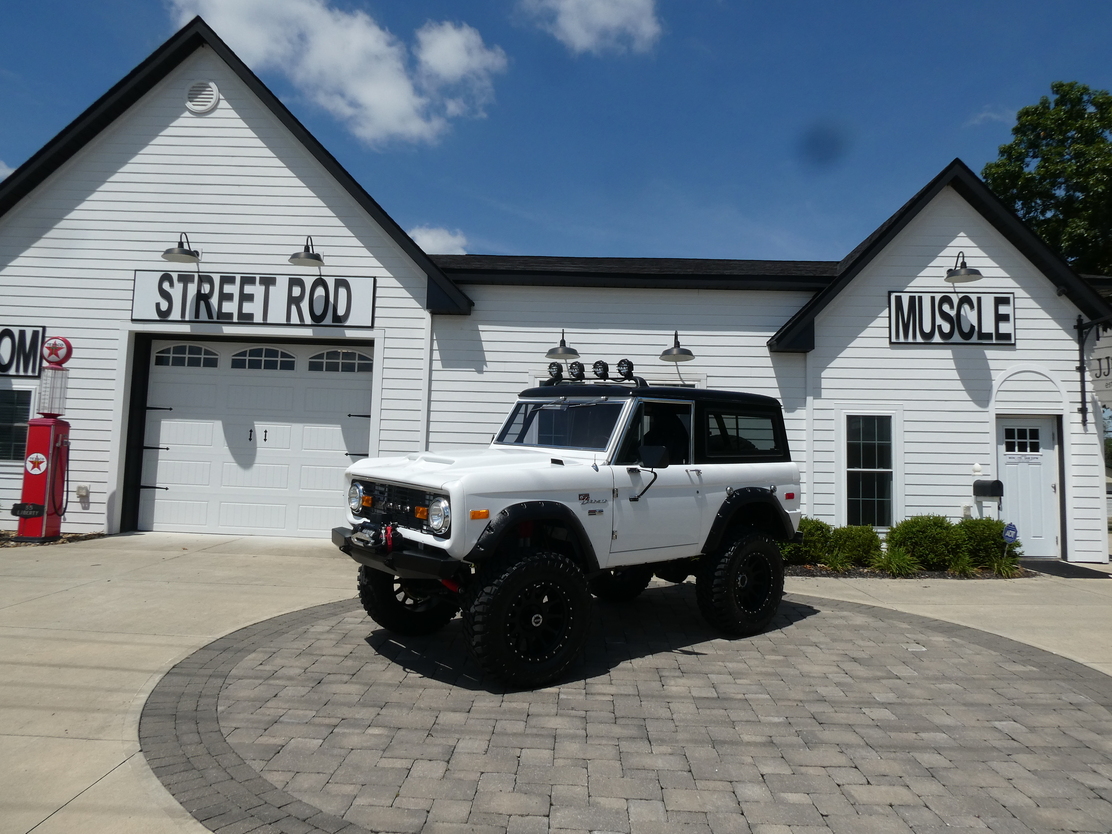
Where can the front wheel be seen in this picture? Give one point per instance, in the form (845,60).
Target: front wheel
(526,617)
(739,588)
(405,606)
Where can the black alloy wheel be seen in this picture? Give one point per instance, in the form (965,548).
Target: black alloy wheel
(739,588)
(405,606)
(526,617)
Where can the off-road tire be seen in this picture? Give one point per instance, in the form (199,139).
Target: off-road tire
(405,606)
(621,584)
(526,617)
(740,586)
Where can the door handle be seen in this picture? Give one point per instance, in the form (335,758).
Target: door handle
(264,434)
(250,434)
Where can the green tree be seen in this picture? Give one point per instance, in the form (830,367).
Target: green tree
(1057,173)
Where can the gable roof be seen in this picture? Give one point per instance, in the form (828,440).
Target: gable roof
(441,296)
(798,333)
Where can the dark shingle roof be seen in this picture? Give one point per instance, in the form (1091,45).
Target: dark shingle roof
(666,273)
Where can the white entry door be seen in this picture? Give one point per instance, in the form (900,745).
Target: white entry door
(1027,456)
(252,439)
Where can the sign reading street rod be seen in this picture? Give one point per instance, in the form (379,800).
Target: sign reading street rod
(310,301)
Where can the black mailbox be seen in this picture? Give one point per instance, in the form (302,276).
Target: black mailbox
(984,488)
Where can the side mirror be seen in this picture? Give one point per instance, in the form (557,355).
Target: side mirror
(654,457)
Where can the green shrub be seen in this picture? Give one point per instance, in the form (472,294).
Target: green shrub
(858,545)
(929,539)
(984,538)
(961,565)
(815,544)
(1005,565)
(837,560)
(896,561)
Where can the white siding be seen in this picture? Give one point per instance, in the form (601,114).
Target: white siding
(247,194)
(947,393)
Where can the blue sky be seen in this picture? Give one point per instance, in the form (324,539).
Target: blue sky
(637,128)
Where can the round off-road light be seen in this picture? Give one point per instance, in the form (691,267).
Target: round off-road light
(625,368)
(601,369)
(440,515)
(575,370)
(556,370)
(355,497)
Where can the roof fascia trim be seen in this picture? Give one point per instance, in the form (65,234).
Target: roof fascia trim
(442,295)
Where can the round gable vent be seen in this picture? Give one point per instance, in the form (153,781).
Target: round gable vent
(202,97)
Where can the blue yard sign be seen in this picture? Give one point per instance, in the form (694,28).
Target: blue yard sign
(1011,533)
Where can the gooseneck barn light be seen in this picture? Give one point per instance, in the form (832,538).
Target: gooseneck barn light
(183,253)
(307,256)
(677,353)
(962,274)
(562,353)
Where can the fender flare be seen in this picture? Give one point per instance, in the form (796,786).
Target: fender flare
(747,497)
(506,520)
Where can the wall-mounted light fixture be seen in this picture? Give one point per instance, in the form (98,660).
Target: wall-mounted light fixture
(677,353)
(962,274)
(562,353)
(307,256)
(183,253)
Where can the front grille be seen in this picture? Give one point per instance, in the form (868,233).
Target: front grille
(396,504)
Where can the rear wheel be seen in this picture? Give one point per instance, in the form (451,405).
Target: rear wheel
(739,588)
(405,606)
(527,616)
(621,584)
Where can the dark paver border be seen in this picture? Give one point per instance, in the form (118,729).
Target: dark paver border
(180,735)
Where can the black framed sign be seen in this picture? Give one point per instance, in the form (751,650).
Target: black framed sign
(951,318)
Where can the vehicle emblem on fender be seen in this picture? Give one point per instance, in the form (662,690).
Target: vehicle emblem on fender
(585,498)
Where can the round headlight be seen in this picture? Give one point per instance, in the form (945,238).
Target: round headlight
(355,497)
(440,515)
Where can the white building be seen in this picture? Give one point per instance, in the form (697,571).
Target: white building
(228,396)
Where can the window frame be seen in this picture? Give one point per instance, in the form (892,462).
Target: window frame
(703,412)
(841,459)
(31,406)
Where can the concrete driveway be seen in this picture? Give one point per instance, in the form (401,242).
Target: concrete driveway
(88,629)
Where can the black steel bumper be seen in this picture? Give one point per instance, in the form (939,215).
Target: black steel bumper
(366,546)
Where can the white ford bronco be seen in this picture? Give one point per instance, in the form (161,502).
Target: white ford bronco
(586,489)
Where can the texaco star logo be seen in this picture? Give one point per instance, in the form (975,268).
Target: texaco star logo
(36,463)
(56,350)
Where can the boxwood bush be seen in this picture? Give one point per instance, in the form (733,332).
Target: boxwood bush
(931,540)
(857,545)
(814,546)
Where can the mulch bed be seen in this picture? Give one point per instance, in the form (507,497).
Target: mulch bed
(7,539)
(868,573)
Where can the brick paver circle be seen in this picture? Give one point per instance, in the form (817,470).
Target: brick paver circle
(843,718)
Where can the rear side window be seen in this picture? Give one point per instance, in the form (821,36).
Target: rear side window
(733,435)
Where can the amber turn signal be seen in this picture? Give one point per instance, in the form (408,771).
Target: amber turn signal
(478,514)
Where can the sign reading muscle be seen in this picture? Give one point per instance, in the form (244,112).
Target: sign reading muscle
(916,318)
(321,301)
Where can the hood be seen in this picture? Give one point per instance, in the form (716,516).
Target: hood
(434,470)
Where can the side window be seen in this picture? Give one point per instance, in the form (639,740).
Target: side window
(187,356)
(15,411)
(658,424)
(732,435)
(263,359)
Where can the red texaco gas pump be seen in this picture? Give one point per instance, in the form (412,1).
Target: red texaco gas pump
(44,473)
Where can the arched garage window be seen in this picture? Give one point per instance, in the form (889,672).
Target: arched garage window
(341,361)
(263,359)
(187,356)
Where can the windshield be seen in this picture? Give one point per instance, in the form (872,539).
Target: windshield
(561,424)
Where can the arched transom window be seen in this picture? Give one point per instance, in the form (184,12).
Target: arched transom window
(263,359)
(187,356)
(341,361)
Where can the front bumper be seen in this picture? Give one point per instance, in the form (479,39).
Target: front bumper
(372,545)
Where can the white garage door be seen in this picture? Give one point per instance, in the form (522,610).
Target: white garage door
(250,438)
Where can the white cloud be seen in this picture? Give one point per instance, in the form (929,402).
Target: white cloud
(992,114)
(439,241)
(598,25)
(359,72)
(4,170)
